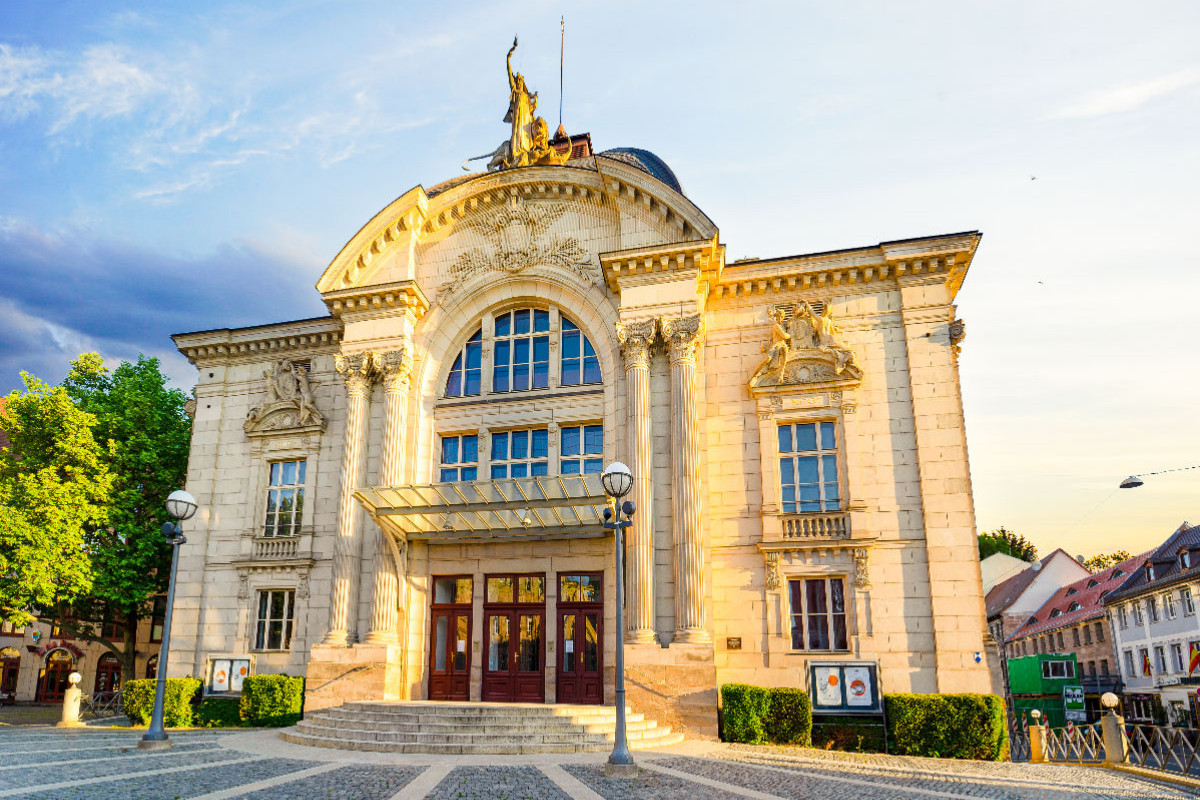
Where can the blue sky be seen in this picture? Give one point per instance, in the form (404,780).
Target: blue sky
(174,167)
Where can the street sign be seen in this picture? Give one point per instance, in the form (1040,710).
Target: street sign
(1074,704)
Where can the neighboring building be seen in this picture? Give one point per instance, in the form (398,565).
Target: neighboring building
(402,499)
(1156,630)
(1073,621)
(1011,602)
(999,567)
(1038,681)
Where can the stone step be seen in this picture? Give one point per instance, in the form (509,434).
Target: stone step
(366,745)
(410,717)
(470,710)
(309,727)
(332,719)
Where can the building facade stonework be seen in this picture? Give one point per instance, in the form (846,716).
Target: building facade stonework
(402,499)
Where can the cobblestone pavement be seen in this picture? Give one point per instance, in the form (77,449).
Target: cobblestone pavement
(51,764)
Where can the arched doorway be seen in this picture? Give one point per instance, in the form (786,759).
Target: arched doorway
(152,667)
(53,683)
(10,668)
(108,675)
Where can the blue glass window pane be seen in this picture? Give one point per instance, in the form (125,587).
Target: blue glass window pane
(592,465)
(499,446)
(810,498)
(502,354)
(301,477)
(541,375)
(591,370)
(537,469)
(450,450)
(454,384)
(473,382)
(789,508)
(276,468)
(829,466)
(478,337)
(449,475)
(520,444)
(521,321)
(500,379)
(570,467)
(832,501)
(787,475)
(567,325)
(806,437)
(470,448)
(593,439)
(474,355)
(588,350)
(540,447)
(520,351)
(499,471)
(785,438)
(520,377)
(469,473)
(289,473)
(571,344)
(789,494)
(519,471)
(541,348)
(827,437)
(504,325)
(541,321)
(806,470)
(570,372)
(570,441)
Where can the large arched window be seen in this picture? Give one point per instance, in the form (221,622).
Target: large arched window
(466,376)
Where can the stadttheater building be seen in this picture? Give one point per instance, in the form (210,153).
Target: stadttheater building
(401,499)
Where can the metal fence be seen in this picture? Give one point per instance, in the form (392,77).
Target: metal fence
(1018,743)
(101,705)
(1162,748)
(1083,744)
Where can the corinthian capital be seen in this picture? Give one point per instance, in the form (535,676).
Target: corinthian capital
(396,368)
(357,370)
(635,339)
(682,335)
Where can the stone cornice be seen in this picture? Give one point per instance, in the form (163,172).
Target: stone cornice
(947,257)
(321,335)
(706,257)
(388,298)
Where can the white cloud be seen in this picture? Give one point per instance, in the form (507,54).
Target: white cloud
(22,80)
(1130,96)
(104,84)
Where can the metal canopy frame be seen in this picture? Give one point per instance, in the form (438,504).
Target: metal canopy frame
(513,509)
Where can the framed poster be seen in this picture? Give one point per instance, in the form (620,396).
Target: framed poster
(227,672)
(844,688)
(219,678)
(239,668)
(1074,704)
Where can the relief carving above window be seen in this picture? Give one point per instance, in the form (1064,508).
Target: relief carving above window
(806,348)
(289,403)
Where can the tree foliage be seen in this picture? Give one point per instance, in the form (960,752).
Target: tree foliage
(1102,561)
(1005,541)
(54,488)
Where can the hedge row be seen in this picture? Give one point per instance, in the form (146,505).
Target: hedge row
(934,725)
(267,701)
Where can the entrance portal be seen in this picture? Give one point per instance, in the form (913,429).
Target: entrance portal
(54,678)
(580,662)
(514,637)
(450,655)
(108,675)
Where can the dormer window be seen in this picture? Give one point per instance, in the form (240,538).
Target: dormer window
(1074,607)
(1056,613)
(1032,620)
(1119,573)
(1149,572)
(1072,591)
(1185,558)
(1093,582)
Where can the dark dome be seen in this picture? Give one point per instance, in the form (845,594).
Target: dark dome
(647,162)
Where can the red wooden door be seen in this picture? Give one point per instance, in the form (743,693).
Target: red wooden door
(580,676)
(515,670)
(108,675)
(54,683)
(450,655)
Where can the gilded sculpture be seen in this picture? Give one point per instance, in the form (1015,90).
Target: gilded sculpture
(807,349)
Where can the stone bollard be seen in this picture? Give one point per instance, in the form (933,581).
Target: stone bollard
(1112,726)
(1037,744)
(70,712)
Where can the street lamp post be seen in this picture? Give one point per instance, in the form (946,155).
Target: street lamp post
(617,481)
(181,506)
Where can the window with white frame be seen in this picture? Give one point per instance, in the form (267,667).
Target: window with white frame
(522,350)
(520,454)
(1169,605)
(818,611)
(1058,669)
(579,362)
(1152,604)
(1145,659)
(581,448)
(466,374)
(1185,559)
(808,467)
(1160,659)
(1123,616)
(1177,656)
(1129,670)
(1137,613)
(285,498)
(276,614)
(1189,605)
(460,458)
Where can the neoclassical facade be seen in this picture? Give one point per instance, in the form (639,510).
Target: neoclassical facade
(402,499)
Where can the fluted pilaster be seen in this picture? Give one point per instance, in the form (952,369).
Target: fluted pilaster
(357,370)
(395,369)
(635,339)
(682,336)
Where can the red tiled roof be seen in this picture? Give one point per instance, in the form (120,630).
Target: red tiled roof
(1088,598)
(1006,592)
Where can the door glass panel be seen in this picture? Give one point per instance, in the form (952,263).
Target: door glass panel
(498,643)
(568,640)
(452,590)
(530,658)
(462,643)
(531,590)
(499,590)
(439,644)
(591,644)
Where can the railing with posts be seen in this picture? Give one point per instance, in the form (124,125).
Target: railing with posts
(1165,749)
(1083,744)
(832,525)
(101,705)
(1018,743)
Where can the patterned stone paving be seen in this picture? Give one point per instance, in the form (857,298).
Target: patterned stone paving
(50,764)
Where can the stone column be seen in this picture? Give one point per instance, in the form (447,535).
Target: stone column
(683,335)
(396,369)
(357,370)
(635,339)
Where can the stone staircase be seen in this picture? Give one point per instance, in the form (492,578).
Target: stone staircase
(474,728)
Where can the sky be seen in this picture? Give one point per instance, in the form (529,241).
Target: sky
(170,167)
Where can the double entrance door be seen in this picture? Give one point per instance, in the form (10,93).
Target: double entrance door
(514,611)
(580,676)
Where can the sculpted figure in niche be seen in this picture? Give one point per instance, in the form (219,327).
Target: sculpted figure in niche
(807,349)
(828,339)
(288,389)
(777,353)
(308,408)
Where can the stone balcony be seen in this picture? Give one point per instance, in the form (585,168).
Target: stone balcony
(275,547)
(807,528)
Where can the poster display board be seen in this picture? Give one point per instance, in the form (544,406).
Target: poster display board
(1074,704)
(844,687)
(227,673)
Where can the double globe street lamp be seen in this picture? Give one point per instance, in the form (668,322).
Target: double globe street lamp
(617,481)
(181,506)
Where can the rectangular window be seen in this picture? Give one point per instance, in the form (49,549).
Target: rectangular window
(1091,669)
(1160,659)
(285,498)
(582,449)
(11,629)
(808,467)
(516,588)
(1104,667)
(1075,636)
(460,457)
(818,610)
(579,362)
(1169,605)
(1177,655)
(578,588)
(112,631)
(275,616)
(1058,669)
(1122,613)
(452,591)
(1189,605)
(522,359)
(520,454)
(158,618)
(1152,602)
(1100,631)
(1061,645)
(1087,634)
(1129,671)
(1137,613)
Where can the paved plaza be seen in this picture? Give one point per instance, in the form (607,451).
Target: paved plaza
(51,764)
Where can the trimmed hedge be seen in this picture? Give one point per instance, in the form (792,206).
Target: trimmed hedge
(273,701)
(219,712)
(848,733)
(946,725)
(754,715)
(138,700)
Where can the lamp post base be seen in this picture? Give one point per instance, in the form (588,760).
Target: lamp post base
(620,770)
(154,744)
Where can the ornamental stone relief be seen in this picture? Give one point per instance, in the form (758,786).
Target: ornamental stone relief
(805,349)
(289,403)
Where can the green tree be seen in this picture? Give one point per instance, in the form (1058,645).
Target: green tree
(54,489)
(148,435)
(1003,540)
(1102,561)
